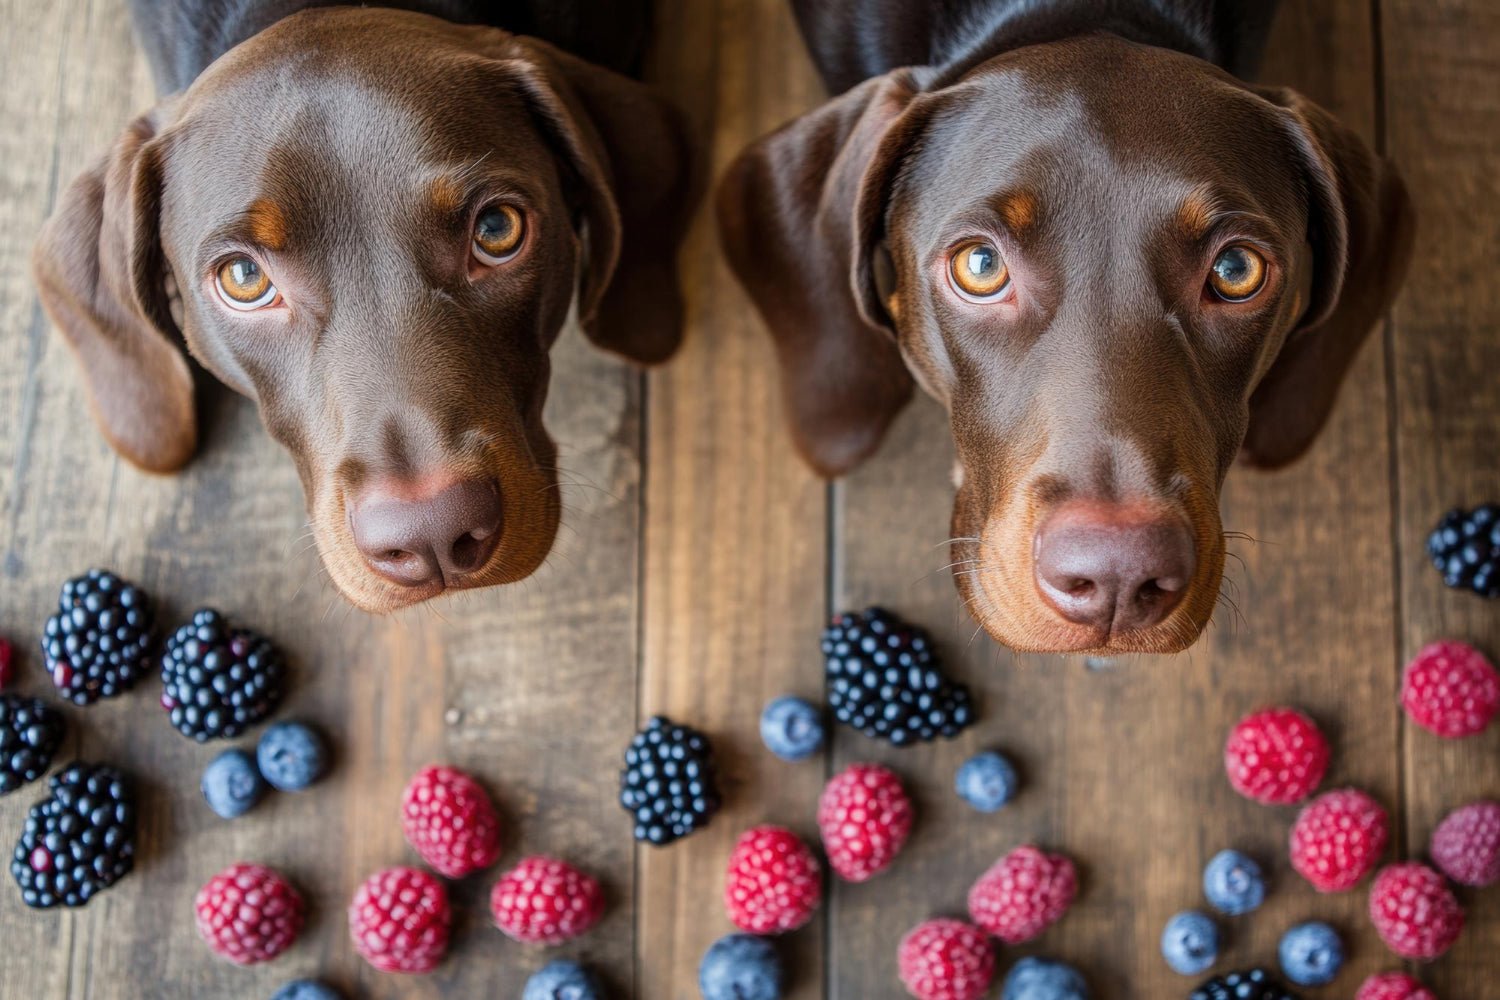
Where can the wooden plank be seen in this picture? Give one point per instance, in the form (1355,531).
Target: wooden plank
(1442,94)
(1122,764)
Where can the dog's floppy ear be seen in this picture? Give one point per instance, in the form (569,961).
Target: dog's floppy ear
(1360,227)
(100,275)
(629,153)
(801,214)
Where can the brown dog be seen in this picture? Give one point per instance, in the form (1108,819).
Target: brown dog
(375,222)
(1117,265)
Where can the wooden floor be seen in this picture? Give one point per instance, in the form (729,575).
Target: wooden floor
(700,559)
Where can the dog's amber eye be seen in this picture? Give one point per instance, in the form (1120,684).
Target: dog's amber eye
(498,233)
(244,284)
(978,270)
(1237,274)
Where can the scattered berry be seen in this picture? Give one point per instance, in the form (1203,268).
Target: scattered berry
(1449,688)
(1256,984)
(669,783)
(98,643)
(30,734)
(946,960)
(1414,912)
(1023,894)
(291,756)
(562,980)
(77,841)
(884,679)
(1338,839)
(1465,548)
(1044,979)
(306,989)
(231,784)
(1311,954)
(1233,884)
(791,728)
(399,920)
(248,914)
(1393,986)
(218,681)
(545,901)
(1190,943)
(865,818)
(450,822)
(740,967)
(1276,757)
(1466,844)
(7,661)
(987,781)
(774,882)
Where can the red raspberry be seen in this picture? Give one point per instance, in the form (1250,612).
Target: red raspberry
(1466,845)
(545,901)
(1276,757)
(1338,839)
(1393,986)
(449,821)
(1023,894)
(7,654)
(773,884)
(1414,912)
(865,818)
(946,960)
(248,914)
(1450,689)
(399,920)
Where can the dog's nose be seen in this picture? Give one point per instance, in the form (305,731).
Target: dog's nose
(416,541)
(1113,567)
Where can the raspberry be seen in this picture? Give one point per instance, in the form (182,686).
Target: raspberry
(399,920)
(865,818)
(449,821)
(545,901)
(946,960)
(1414,912)
(1393,986)
(1450,689)
(248,914)
(773,884)
(1338,838)
(1466,844)
(1023,894)
(1276,757)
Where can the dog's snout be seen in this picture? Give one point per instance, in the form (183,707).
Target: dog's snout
(1113,568)
(432,538)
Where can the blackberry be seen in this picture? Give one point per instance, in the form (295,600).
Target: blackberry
(99,641)
(669,783)
(1256,984)
(79,840)
(30,734)
(217,680)
(1465,548)
(885,680)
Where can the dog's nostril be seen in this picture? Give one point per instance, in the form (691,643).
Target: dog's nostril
(469,550)
(1080,588)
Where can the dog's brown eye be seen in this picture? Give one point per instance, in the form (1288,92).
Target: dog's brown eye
(979,271)
(497,233)
(244,284)
(1237,274)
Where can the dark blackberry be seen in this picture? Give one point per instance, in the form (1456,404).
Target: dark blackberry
(1465,548)
(1256,984)
(99,642)
(30,734)
(885,680)
(79,840)
(217,681)
(669,784)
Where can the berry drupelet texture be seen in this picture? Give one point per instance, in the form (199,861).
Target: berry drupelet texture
(1393,986)
(1023,894)
(248,914)
(1466,844)
(30,734)
(79,840)
(669,783)
(399,920)
(450,821)
(946,960)
(218,681)
(773,882)
(1255,984)
(1465,548)
(99,641)
(740,967)
(545,901)
(1276,757)
(884,679)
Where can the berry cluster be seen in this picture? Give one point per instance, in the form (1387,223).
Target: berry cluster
(669,783)
(1465,548)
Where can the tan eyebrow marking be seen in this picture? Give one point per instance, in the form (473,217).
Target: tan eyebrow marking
(1195,216)
(266,223)
(445,195)
(1019,210)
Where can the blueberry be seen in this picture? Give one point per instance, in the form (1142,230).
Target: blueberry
(231,784)
(291,756)
(1311,954)
(562,980)
(1190,943)
(740,967)
(305,989)
(1044,979)
(791,728)
(986,781)
(1233,883)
